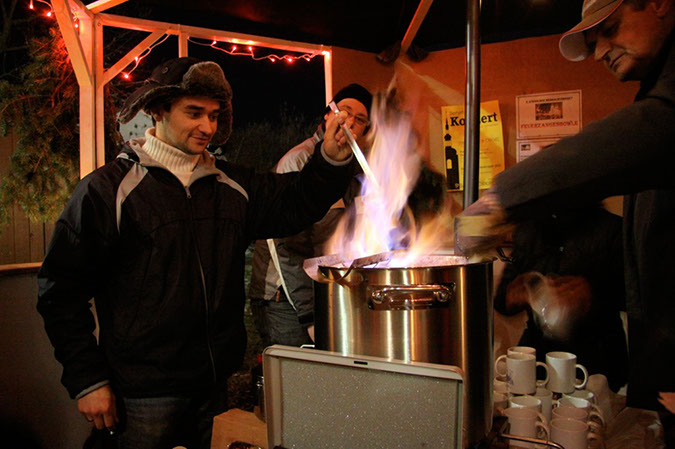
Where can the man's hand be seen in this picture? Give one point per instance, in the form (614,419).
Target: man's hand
(574,294)
(310,332)
(481,227)
(99,407)
(335,142)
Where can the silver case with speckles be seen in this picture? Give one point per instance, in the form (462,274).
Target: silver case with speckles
(318,399)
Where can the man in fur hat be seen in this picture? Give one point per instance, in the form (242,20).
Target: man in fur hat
(282,294)
(157,237)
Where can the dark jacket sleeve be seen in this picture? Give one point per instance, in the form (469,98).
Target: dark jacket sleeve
(73,268)
(284,204)
(629,151)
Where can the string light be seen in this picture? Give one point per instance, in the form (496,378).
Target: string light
(31,6)
(289,58)
(127,75)
(250,52)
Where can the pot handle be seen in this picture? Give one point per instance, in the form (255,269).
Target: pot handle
(411,297)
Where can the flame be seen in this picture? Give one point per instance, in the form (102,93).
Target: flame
(380,220)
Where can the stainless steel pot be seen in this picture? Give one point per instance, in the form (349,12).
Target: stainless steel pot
(438,313)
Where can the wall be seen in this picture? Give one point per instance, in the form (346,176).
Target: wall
(508,69)
(352,66)
(35,410)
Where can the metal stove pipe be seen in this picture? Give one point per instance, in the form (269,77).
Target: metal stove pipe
(472,103)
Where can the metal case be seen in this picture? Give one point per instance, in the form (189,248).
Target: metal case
(317,399)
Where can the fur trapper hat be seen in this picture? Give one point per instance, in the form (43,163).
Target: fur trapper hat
(182,77)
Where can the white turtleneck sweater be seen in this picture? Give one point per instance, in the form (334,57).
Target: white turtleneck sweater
(176,161)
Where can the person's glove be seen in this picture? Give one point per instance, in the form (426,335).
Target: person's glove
(481,227)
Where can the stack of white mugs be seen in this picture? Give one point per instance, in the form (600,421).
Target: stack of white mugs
(556,408)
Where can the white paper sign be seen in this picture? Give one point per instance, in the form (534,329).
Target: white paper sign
(548,114)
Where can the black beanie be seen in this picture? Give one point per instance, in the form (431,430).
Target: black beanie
(357,92)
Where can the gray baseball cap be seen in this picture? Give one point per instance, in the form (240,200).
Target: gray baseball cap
(572,44)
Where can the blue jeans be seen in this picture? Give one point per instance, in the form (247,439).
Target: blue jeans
(166,422)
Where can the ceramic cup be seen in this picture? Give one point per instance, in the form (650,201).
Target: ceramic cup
(583,394)
(500,386)
(525,422)
(521,373)
(562,368)
(525,401)
(572,434)
(500,402)
(546,397)
(593,411)
(501,360)
(579,414)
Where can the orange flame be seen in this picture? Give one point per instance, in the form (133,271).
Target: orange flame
(380,220)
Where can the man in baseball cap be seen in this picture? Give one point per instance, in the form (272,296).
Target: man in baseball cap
(157,237)
(631,153)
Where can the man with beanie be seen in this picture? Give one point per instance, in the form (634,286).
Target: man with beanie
(631,153)
(157,237)
(281,293)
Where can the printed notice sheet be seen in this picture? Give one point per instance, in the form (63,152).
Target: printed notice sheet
(548,114)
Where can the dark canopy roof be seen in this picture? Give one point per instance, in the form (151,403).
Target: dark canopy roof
(368,25)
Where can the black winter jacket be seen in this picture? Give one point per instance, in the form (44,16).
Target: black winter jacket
(165,265)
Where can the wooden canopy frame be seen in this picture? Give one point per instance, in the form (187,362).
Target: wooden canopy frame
(84,43)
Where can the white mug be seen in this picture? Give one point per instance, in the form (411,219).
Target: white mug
(593,411)
(583,394)
(562,372)
(578,414)
(521,373)
(546,398)
(525,401)
(514,350)
(525,422)
(500,386)
(500,402)
(572,434)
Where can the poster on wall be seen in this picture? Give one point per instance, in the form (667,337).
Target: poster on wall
(548,114)
(491,144)
(527,148)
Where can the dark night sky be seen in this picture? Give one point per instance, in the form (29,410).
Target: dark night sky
(259,88)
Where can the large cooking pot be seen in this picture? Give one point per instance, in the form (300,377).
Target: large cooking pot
(440,312)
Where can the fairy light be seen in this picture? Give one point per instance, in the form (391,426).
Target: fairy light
(137,59)
(31,6)
(249,50)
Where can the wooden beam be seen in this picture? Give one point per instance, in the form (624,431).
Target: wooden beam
(182,44)
(413,28)
(115,70)
(102,5)
(99,93)
(328,73)
(72,39)
(130,23)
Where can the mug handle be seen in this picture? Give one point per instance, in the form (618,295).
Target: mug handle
(596,413)
(498,373)
(542,383)
(544,429)
(592,436)
(580,386)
